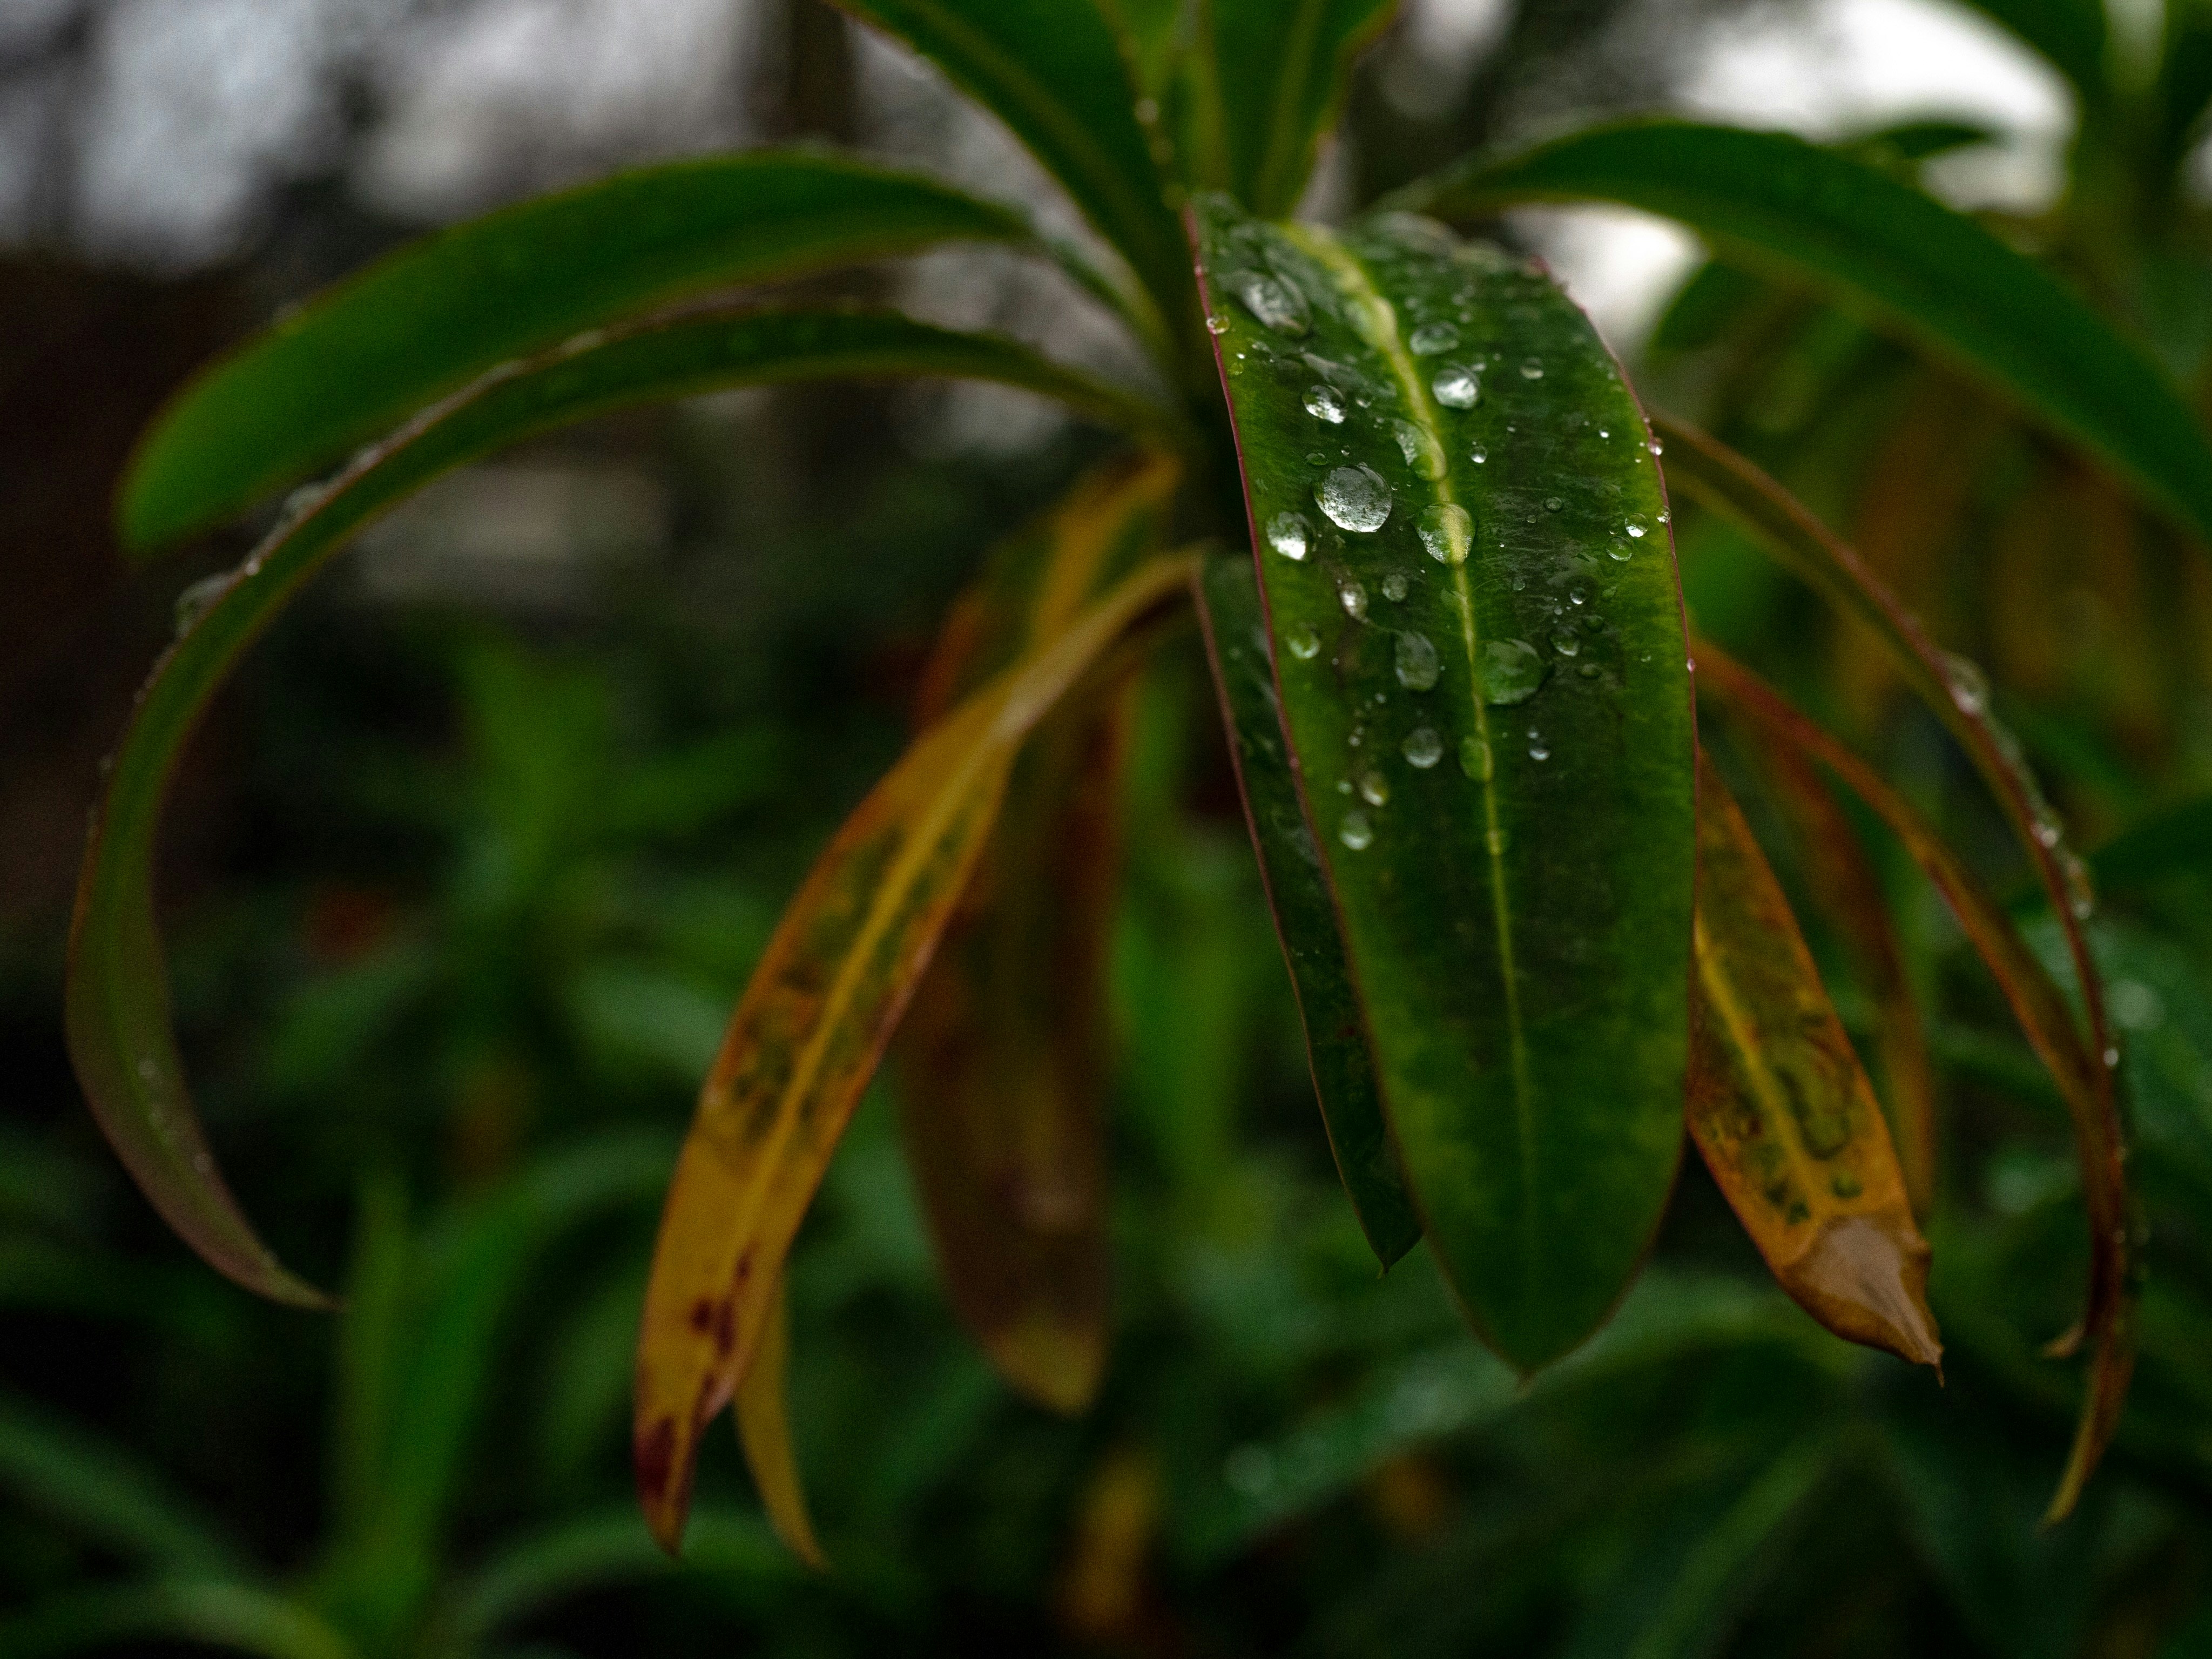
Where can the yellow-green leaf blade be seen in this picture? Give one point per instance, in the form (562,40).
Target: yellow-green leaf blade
(1482,672)
(1782,1112)
(764,1413)
(1880,247)
(809,1031)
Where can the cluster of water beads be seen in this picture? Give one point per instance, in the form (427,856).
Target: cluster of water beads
(1355,498)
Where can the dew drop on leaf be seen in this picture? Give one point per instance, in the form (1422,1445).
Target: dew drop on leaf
(1418,664)
(1429,338)
(1510,671)
(1566,644)
(1420,448)
(1538,748)
(1323,405)
(198,600)
(1422,748)
(1478,455)
(1447,531)
(1970,687)
(1304,644)
(1275,303)
(1354,497)
(1635,528)
(1355,831)
(1374,788)
(1531,368)
(1353,598)
(1455,386)
(1474,759)
(1394,585)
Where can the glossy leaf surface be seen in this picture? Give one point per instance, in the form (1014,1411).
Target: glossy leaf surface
(764,1413)
(1881,247)
(807,1034)
(2040,1007)
(1003,1056)
(1053,72)
(1281,68)
(1481,668)
(358,359)
(1367,1157)
(117,1008)
(1782,1112)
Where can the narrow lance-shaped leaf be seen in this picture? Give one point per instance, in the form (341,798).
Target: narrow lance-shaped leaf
(764,1430)
(1952,689)
(1849,891)
(1478,642)
(1002,1055)
(1053,72)
(2040,1007)
(1367,1157)
(1781,1111)
(117,1001)
(1281,68)
(809,1030)
(358,359)
(1881,247)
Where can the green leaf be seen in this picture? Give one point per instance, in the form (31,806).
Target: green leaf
(1367,1158)
(1481,664)
(2068,34)
(117,1002)
(1281,67)
(1876,245)
(359,358)
(1054,73)
(211,1613)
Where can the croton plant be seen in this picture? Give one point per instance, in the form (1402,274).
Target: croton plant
(1423,518)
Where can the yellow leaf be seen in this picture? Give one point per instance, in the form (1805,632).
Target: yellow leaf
(764,1430)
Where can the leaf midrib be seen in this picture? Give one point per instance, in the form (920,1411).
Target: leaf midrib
(1351,277)
(1743,1039)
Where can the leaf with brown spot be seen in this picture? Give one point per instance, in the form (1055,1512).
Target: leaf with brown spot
(764,1431)
(807,1034)
(1783,1113)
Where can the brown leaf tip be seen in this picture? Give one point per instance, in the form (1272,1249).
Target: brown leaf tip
(1865,1277)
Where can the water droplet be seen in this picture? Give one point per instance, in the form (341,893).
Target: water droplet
(1353,598)
(1447,531)
(1418,666)
(2081,897)
(2111,1059)
(2045,828)
(1970,687)
(1275,303)
(1510,671)
(1474,759)
(1216,322)
(1455,386)
(1374,788)
(1355,497)
(1323,405)
(1538,748)
(1429,338)
(1620,550)
(1420,448)
(1589,670)
(1478,455)
(1575,596)
(198,600)
(1394,585)
(1495,840)
(1531,368)
(1304,643)
(1655,447)
(1603,433)
(1635,528)
(1566,644)
(1355,831)
(1287,535)
(147,1070)
(2135,1005)
(1665,517)
(1423,747)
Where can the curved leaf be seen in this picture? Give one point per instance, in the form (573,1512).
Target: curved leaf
(1281,67)
(2040,1007)
(117,1007)
(1053,72)
(1782,1115)
(1003,1053)
(807,1034)
(359,358)
(1478,643)
(1879,245)
(1367,1157)
(764,1431)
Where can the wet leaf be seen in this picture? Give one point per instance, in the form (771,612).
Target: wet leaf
(117,1007)
(807,1034)
(764,1430)
(1367,1157)
(2040,1007)
(1881,247)
(1281,68)
(356,359)
(1782,1112)
(1470,595)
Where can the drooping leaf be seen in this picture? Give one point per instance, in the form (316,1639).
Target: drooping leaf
(1281,68)
(1002,1054)
(807,1034)
(1782,1112)
(764,1430)
(356,360)
(1880,247)
(2040,1007)
(1470,596)
(117,1007)
(1952,689)
(1367,1157)
(1053,72)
